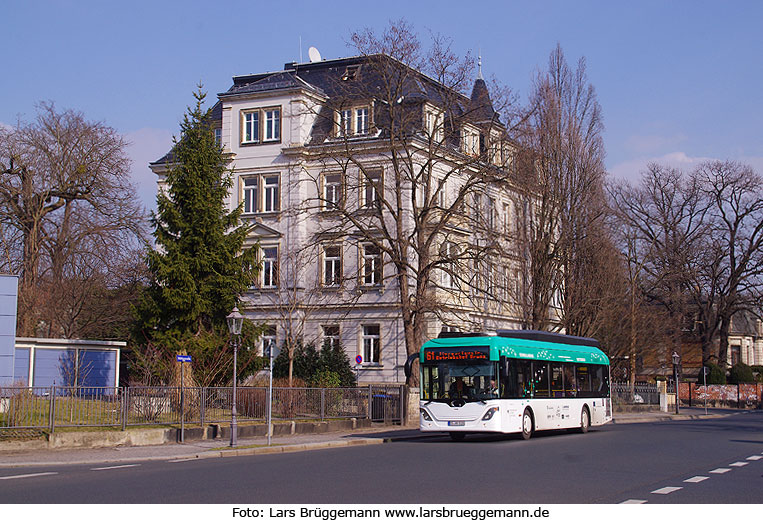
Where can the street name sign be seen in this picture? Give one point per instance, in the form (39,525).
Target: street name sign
(184,358)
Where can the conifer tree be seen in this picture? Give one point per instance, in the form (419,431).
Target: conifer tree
(199,266)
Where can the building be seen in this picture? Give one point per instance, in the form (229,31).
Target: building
(355,171)
(8,300)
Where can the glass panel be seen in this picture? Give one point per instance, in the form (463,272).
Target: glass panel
(97,368)
(583,378)
(21,366)
(557,381)
(570,385)
(540,386)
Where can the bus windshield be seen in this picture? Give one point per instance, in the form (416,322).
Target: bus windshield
(451,380)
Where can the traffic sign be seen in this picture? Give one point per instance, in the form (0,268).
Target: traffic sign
(359,359)
(184,358)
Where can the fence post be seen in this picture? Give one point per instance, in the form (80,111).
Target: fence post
(323,403)
(370,400)
(125,406)
(52,408)
(739,401)
(203,405)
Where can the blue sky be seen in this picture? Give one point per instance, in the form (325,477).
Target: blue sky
(678,81)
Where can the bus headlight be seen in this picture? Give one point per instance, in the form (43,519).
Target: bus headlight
(425,415)
(489,414)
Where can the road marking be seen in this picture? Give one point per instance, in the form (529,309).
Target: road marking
(720,471)
(20,476)
(739,464)
(632,502)
(115,466)
(755,458)
(183,460)
(666,490)
(696,479)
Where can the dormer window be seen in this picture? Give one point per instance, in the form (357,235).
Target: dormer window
(470,140)
(351,73)
(353,121)
(434,119)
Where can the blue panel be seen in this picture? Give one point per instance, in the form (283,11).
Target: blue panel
(97,368)
(21,366)
(54,365)
(7,326)
(9,285)
(6,370)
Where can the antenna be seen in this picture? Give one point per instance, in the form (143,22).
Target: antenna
(300,48)
(314,54)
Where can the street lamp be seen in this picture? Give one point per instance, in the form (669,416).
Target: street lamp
(235,321)
(676,358)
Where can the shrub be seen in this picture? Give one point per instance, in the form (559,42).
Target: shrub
(757,372)
(741,373)
(322,368)
(716,375)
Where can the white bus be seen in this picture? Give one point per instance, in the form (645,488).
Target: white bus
(512,381)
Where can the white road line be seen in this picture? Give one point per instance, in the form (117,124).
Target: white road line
(666,490)
(720,471)
(115,466)
(739,464)
(20,476)
(755,458)
(183,460)
(696,479)
(632,502)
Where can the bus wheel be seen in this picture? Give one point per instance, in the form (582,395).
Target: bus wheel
(527,424)
(585,420)
(457,436)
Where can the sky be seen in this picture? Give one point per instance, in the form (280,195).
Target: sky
(678,81)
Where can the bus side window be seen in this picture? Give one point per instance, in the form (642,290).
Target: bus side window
(540,379)
(557,380)
(570,386)
(583,379)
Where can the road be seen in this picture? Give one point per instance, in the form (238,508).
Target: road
(699,461)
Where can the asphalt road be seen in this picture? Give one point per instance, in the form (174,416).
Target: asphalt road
(700,461)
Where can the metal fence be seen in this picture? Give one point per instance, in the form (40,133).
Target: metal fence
(638,393)
(55,406)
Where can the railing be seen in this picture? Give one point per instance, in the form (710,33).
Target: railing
(746,395)
(55,406)
(639,393)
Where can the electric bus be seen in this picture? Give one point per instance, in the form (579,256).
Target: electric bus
(512,381)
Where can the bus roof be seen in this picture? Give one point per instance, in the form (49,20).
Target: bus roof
(522,347)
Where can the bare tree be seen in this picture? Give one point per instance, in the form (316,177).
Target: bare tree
(69,212)
(563,168)
(730,274)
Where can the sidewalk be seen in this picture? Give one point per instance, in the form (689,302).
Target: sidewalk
(292,443)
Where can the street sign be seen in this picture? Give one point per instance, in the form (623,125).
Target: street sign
(184,358)
(359,359)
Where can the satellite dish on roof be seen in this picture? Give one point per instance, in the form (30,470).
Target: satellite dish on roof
(314,54)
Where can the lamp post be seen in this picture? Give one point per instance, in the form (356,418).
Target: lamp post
(235,320)
(676,358)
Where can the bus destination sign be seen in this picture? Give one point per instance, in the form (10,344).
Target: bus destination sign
(440,354)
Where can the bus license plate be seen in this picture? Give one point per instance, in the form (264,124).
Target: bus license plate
(456,423)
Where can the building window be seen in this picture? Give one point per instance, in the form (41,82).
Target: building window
(372,265)
(372,186)
(449,253)
(251,127)
(261,193)
(353,121)
(332,191)
(361,120)
(331,337)
(433,123)
(270,194)
(471,141)
(269,267)
(218,136)
(250,194)
(260,125)
(371,344)
(332,265)
(268,340)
